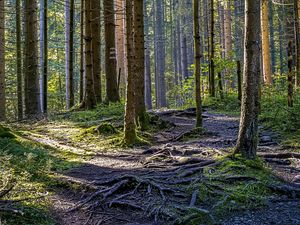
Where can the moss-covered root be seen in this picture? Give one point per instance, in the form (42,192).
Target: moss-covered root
(6,132)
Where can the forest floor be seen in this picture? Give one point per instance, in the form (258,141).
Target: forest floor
(184,176)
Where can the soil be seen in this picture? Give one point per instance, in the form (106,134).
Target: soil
(147,168)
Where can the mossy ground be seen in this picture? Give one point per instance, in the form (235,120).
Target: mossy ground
(223,193)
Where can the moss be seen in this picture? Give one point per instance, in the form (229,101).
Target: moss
(106,128)
(6,132)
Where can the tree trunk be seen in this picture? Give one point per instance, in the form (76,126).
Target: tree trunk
(265,42)
(112,94)
(129,122)
(32,97)
(272,40)
(290,76)
(227,29)
(90,98)
(2,62)
(297,37)
(96,45)
(148,86)
(248,133)
(212,90)
(69,9)
(197,64)
(160,55)
(81,83)
(19,60)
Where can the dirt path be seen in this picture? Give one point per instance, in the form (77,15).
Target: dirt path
(150,185)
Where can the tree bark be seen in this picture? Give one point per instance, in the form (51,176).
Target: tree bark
(112,94)
(69,11)
(2,62)
(267,73)
(32,97)
(248,133)
(297,39)
(197,65)
(90,98)
(19,60)
(212,90)
(96,45)
(129,121)
(81,81)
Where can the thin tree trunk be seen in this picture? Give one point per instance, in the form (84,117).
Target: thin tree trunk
(2,62)
(297,37)
(81,83)
(69,53)
(248,133)
(212,52)
(197,64)
(19,60)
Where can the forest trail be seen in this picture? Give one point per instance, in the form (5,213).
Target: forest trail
(155,185)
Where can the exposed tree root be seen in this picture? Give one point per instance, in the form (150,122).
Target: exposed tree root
(286,155)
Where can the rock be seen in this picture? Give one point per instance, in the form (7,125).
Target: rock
(265,139)
(296,179)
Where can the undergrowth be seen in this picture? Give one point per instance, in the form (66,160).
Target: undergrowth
(31,170)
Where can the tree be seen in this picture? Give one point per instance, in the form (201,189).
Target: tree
(248,132)
(212,90)
(297,37)
(19,60)
(44,54)
(139,61)
(2,62)
(89,96)
(69,11)
(32,90)
(129,121)
(266,42)
(96,45)
(197,65)
(112,92)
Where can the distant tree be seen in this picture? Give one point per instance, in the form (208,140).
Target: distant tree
(2,62)
(212,89)
(248,133)
(297,37)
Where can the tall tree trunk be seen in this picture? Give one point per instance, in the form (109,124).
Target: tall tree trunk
(19,60)
(266,42)
(81,81)
(129,122)
(139,61)
(2,62)
(212,90)
(248,133)
(44,55)
(197,64)
(90,98)
(272,39)
(160,55)
(96,45)
(148,86)
(112,94)
(297,37)
(120,40)
(227,29)
(184,56)
(32,97)
(69,10)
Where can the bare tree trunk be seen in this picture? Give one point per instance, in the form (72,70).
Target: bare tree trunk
(266,42)
(32,97)
(290,76)
(81,83)
(2,62)
(148,91)
(248,133)
(96,45)
(19,60)
(129,122)
(112,94)
(90,98)
(197,65)
(297,37)
(69,10)
(212,52)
